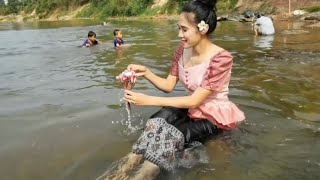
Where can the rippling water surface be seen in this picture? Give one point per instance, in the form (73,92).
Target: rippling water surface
(61,116)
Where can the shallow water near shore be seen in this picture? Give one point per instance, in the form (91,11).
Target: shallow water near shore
(58,101)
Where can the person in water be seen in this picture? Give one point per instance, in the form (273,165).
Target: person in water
(205,71)
(118,41)
(91,41)
(263,26)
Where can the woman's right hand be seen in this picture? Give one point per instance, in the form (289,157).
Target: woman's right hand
(138,69)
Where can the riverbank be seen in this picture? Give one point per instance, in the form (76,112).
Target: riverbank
(313,18)
(142,9)
(57,15)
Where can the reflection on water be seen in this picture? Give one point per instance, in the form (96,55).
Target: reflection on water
(121,53)
(264,42)
(58,101)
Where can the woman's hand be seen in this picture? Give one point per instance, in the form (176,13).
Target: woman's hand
(137,98)
(138,69)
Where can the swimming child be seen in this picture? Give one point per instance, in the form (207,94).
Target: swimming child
(205,71)
(118,41)
(91,41)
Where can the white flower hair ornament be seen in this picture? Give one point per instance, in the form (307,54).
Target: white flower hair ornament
(203,27)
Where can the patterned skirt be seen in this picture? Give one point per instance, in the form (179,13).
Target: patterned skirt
(167,135)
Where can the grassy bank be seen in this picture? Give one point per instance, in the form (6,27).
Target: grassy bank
(313,9)
(144,8)
(101,8)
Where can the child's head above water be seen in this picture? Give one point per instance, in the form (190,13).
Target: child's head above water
(117,33)
(92,36)
(197,20)
(91,41)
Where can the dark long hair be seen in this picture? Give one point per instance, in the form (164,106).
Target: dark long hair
(203,10)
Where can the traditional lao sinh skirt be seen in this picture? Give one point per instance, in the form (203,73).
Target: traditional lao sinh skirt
(171,139)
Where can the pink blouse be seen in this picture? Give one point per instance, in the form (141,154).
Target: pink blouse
(213,75)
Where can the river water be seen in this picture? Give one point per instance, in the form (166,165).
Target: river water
(61,116)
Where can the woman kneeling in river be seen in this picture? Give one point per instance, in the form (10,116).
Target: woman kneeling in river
(205,70)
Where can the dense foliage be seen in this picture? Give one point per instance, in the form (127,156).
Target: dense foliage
(99,8)
(103,8)
(313,9)
(41,6)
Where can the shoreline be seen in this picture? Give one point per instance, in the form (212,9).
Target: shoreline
(21,18)
(312,18)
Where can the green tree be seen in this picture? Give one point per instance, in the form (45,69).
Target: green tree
(2,3)
(3,8)
(14,6)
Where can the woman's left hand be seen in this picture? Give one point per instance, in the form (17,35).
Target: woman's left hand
(137,98)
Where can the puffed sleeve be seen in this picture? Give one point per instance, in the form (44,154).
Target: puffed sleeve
(175,60)
(217,71)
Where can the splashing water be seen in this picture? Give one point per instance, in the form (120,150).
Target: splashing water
(128,79)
